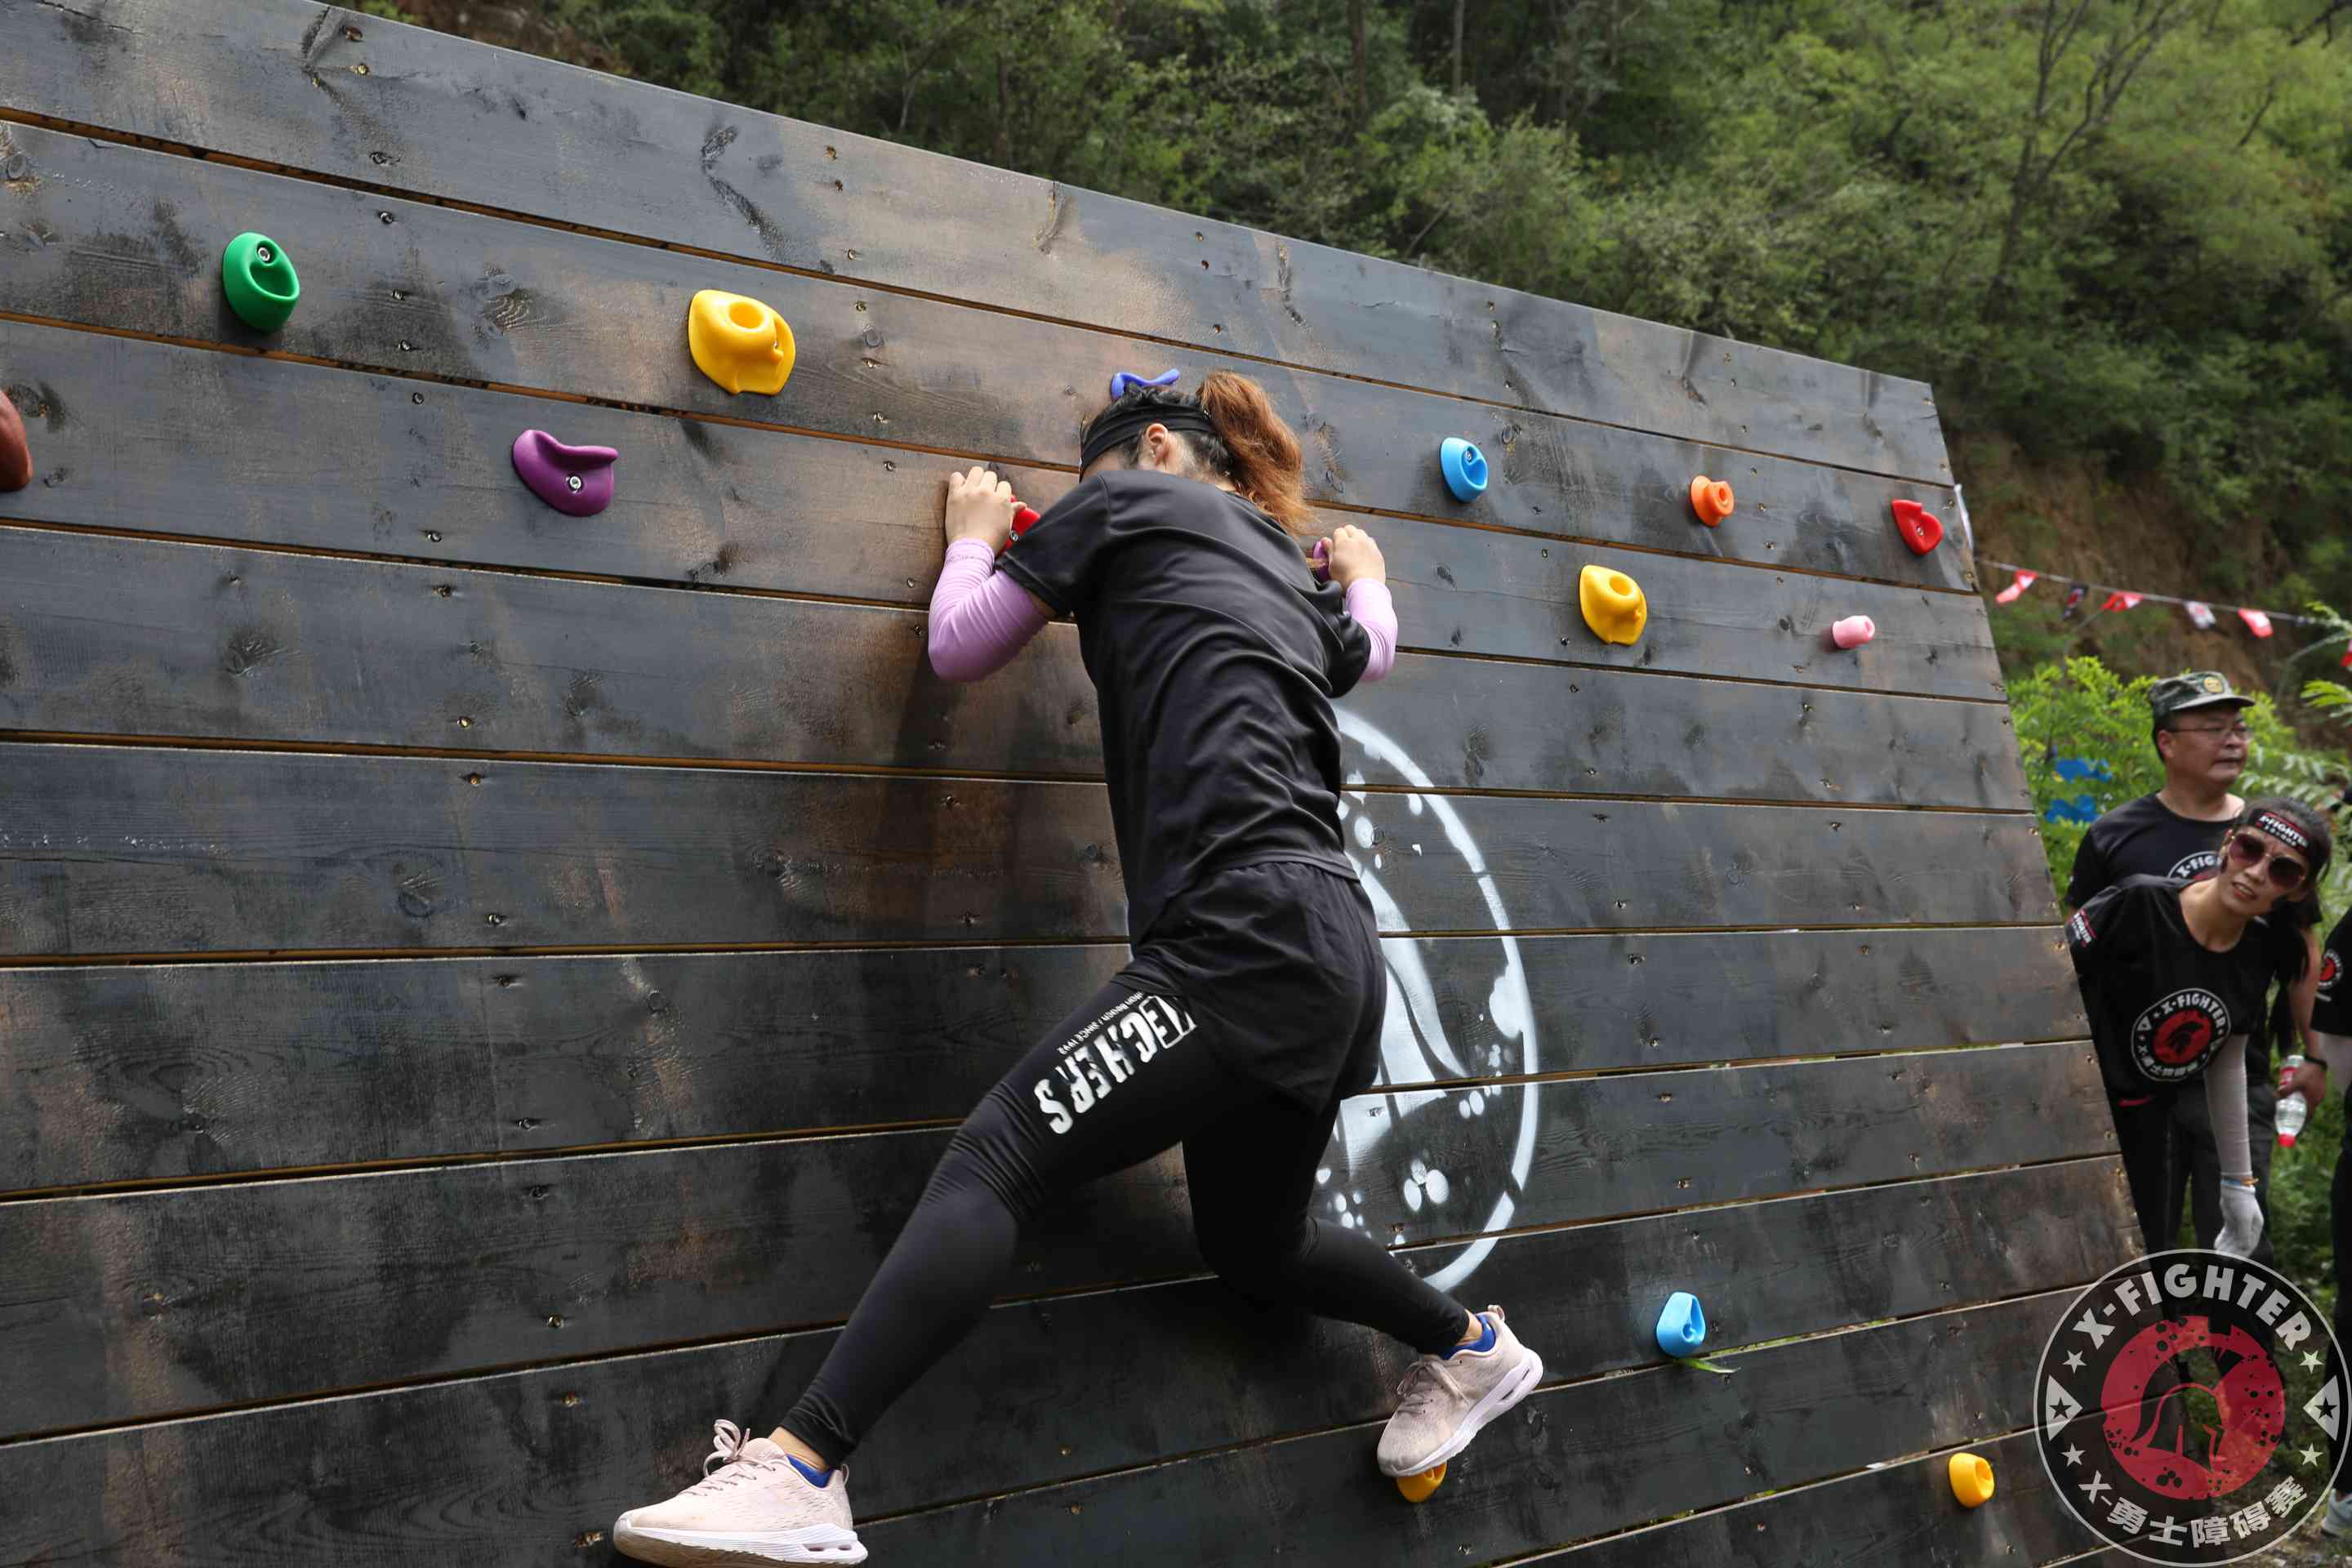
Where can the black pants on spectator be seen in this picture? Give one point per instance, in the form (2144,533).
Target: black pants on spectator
(2166,1138)
(2192,1127)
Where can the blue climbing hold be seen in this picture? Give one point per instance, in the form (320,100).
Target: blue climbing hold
(1682,1327)
(2073,769)
(1123,379)
(1464,466)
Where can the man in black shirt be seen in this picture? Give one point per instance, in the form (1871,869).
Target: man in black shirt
(2200,734)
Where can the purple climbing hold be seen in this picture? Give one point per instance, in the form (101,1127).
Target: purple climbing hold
(573,480)
(1124,380)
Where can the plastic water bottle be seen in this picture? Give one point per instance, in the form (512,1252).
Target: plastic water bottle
(2293,1111)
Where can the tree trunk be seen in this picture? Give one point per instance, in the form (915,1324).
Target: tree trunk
(1459,6)
(1356,34)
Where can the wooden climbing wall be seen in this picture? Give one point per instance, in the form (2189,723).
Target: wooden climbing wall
(479,989)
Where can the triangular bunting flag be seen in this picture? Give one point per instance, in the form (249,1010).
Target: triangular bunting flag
(2200,615)
(2118,600)
(2075,598)
(2009,596)
(2256,622)
(2346,660)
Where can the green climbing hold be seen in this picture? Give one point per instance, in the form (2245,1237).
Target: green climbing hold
(258,276)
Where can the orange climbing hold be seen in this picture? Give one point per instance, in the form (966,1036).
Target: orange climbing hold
(1711,498)
(1419,1488)
(738,342)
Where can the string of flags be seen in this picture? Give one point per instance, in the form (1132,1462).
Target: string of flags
(2202,615)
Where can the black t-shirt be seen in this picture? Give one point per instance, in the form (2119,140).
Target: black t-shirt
(1215,657)
(2332,1013)
(2144,837)
(2161,1005)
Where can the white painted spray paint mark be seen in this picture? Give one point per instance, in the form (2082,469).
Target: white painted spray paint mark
(1413,1043)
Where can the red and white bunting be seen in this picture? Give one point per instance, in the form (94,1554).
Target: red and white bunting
(2200,615)
(2011,595)
(2117,601)
(2256,622)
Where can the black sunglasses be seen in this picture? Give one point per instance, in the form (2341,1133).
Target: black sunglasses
(2251,851)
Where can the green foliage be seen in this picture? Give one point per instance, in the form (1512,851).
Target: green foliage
(2119,227)
(2081,709)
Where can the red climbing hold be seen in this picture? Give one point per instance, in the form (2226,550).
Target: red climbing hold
(1917,526)
(16,456)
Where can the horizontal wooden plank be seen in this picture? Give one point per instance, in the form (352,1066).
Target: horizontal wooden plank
(112,849)
(585,1441)
(696,502)
(287,83)
(1569,1463)
(156,1071)
(126,240)
(131,636)
(1899,1517)
(302,1285)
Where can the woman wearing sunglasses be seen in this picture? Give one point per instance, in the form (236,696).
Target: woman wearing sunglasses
(2173,974)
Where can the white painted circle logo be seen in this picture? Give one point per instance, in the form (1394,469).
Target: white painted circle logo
(1451,1162)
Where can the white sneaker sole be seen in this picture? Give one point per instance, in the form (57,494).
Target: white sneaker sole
(714,1549)
(1513,1388)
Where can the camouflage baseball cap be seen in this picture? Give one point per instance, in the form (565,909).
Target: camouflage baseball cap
(2197,688)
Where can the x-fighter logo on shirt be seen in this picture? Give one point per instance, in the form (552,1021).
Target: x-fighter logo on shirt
(2178,1035)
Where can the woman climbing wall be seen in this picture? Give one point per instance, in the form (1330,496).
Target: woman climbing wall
(1252,1003)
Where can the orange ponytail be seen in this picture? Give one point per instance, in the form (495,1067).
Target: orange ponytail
(1263,460)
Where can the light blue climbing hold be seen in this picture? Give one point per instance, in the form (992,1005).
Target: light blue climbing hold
(1465,467)
(1682,1327)
(1123,379)
(2073,769)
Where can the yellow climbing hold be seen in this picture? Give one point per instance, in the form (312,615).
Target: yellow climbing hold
(1613,605)
(1418,1488)
(1971,1480)
(738,342)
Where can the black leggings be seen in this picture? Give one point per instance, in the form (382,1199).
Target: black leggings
(2157,1134)
(1124,1077)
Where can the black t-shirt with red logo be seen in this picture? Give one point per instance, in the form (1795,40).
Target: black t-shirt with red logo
(2161,1005)
(2144,837)
(2332,1013)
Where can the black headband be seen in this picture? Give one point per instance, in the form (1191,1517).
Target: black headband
(1112,431)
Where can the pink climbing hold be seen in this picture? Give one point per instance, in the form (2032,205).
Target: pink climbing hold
(1854,631)
(577,480)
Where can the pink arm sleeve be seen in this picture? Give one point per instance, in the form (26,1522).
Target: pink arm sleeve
(1374,610)
(979,617)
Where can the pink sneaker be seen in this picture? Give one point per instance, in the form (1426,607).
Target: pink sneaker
(760,1505)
